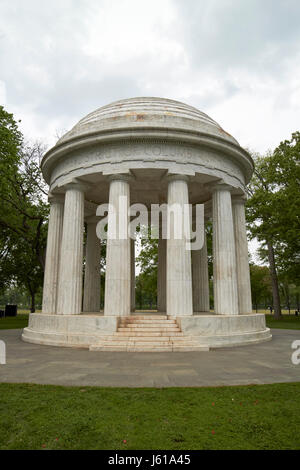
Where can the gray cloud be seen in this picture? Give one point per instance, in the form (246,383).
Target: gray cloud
(237,60)
(234,32)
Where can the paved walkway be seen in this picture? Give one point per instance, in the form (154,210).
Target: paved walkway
(263,363)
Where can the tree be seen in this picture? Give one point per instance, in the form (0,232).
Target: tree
(21,268)
(260,284)
(146,282)
(23,210)
(272,211)
(285,173)
(11,140)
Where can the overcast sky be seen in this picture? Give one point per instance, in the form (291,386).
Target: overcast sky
(236,60)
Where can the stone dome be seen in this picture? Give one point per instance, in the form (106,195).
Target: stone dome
(146,113)
(142,132)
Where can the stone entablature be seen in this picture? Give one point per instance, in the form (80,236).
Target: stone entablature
(173,157)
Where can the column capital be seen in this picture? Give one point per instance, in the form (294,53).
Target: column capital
(55,198)
(177,177)
(126,177)
(77,184)
(221,187)
(239,199)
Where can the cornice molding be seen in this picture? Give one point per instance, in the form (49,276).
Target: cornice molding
(152,136)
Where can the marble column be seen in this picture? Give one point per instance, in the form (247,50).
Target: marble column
(200,279)
(242,260)
(162,274)
(132,257)
(53,254)
(91,295)
(118,265)
(71,262)
(225,281)
(179,269)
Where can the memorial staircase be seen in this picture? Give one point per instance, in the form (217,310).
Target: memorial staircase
(147,333)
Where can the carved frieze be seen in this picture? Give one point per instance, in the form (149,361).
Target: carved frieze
(146,155)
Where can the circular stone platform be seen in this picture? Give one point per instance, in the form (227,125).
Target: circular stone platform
(146,332)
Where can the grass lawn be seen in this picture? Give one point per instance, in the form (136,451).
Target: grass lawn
(10,323)
(243,417)
(290,322)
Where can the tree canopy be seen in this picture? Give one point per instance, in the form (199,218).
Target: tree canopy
(23,210)
(273,211)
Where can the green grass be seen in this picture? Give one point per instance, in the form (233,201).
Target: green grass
(10,323)
(243,417)
(290,322)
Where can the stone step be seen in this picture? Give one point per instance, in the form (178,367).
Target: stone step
(144,333)
(147,344)
(134,348)
(160,321)
(146,317)
(148,322)
(184,348)
(128,348)
(139,334)
(148,325)
(154,339)
(149,329)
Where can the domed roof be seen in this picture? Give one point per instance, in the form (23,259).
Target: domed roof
(137,122)
(146,113)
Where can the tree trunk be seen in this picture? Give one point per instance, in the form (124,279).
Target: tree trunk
(140,297)
(32,299)
(274,281)
(32,307)
(288,299)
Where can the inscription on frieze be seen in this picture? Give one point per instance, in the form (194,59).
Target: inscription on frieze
(98,158)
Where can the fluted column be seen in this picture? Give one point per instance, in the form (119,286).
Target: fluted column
(53,255)
(179,270)
(200,279)
(225,282)
(162,274)
(242,260)
(118,266)
(132,258)
(71,263)
(91,295)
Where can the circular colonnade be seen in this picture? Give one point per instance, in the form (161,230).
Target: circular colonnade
(149,151)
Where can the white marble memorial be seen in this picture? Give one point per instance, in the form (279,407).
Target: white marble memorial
(146,151)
